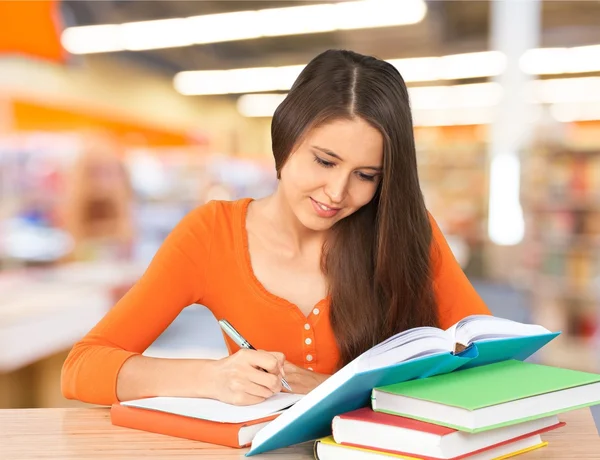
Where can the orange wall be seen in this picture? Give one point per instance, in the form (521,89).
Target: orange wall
(28,116)
(32,28)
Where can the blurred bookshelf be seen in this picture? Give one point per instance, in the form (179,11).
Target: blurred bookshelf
(561,197)
(453,172)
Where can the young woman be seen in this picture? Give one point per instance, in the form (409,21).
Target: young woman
(341,256)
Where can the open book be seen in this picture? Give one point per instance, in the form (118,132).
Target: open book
(416,353)
(423,341)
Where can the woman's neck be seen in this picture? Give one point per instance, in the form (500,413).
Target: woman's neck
(289,232)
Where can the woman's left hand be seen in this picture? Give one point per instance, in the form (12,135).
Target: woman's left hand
(302,380)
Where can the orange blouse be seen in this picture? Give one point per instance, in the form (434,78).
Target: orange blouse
(205,260)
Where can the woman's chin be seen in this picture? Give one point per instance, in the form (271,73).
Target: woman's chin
(316,223)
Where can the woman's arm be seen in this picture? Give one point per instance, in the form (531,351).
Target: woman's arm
(172,281)
(237,379)
(455,295)
(106,366)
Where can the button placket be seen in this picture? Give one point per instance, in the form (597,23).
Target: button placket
(309,351)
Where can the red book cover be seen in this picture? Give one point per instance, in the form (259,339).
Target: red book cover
(366,414)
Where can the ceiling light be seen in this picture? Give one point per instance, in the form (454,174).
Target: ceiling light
(242,25)
(565,90)
(456,96)
(567,112)
(472,65)
(456,117)
(259,105)
(166,33)
(92,39)
(235,81)
(258,79)
(546,61)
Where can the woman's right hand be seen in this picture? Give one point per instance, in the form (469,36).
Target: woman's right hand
(240,379)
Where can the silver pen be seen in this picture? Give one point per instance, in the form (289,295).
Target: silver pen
(243,343)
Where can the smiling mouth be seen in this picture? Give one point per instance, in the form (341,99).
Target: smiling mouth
(324,207)
(323,210)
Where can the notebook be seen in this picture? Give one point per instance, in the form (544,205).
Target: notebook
(404,436)
(201,419)
(413,354)
(492,396)
(327,449)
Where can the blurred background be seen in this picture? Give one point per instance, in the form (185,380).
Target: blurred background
(118,117)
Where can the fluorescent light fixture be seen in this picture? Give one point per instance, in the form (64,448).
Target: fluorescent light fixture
(252,80)
(225,27)
(455,117)
(242,25)
(417,69)
(557,90)
(166,33)
(456,96)
(472,65)
(545,61)
(542,61)
(258,79)
(432,106)
(566,112)
(92,39)
(259,105)
(451,67)
(378,13)
(506,226)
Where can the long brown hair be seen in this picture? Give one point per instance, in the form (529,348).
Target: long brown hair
(377,260)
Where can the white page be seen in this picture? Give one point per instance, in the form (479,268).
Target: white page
(484,327)
(428,337)
(217,411)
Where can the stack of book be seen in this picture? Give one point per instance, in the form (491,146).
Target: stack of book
(424,393)
(493,411)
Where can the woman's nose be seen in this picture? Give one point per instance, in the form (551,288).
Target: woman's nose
(336,188)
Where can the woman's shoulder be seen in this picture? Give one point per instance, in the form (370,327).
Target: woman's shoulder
(216,214)
(221,208)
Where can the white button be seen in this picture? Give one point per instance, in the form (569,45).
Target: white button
(316,311)
(309,357)
(308,341)
(307,326)
(310,368)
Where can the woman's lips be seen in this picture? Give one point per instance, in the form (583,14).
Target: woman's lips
(323,210)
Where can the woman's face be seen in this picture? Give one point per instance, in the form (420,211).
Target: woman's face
(333,173)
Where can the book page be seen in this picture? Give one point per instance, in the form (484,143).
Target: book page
(417,342)
(485,327)
(216,411)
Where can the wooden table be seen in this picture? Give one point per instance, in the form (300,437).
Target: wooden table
(86,433)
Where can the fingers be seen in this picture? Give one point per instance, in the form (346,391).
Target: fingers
(244,380)
(280,357)
(249,387)
(270,381)
(264,360)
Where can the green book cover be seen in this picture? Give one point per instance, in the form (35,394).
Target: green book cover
(492,384)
